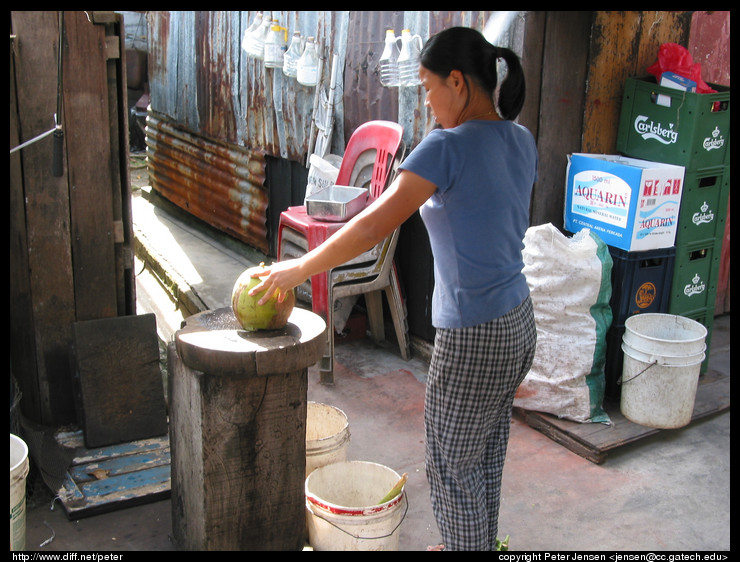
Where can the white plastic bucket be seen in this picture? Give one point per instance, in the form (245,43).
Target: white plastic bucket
(18,473)
(342,509)
(663,354)
(327,436)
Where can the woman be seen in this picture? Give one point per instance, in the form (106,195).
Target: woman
(472,181)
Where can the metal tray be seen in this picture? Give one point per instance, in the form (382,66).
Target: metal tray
(337,203)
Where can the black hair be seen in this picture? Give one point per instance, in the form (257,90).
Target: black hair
(467,50)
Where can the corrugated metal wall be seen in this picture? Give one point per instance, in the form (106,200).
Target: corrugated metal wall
(200,77)
(365,99)
(215,180)
(220,102)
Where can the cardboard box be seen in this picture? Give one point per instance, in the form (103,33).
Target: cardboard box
(631,204)
(677,82)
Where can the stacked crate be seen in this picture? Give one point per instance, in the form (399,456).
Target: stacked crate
(692,130)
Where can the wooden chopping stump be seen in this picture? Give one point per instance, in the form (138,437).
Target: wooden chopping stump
(238,431)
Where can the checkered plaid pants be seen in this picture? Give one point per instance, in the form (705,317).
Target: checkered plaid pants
(473,376)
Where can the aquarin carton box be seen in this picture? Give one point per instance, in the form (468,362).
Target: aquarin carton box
(631,204)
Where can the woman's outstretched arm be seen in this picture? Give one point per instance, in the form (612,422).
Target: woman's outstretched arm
(397,203)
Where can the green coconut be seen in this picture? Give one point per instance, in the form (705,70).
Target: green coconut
(272,315)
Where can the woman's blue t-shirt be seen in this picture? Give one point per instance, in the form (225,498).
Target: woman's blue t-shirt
(484,172)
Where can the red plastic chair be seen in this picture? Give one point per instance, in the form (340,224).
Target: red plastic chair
(385,138)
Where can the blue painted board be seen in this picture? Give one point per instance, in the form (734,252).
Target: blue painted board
(117,476)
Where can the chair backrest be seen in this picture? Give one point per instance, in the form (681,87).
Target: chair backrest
(385,138)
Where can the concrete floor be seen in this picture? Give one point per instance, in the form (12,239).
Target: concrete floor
(669,491)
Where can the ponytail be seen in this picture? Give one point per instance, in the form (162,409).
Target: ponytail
(466,50)
(512,92)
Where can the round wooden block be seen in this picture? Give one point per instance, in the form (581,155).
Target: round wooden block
(215,343)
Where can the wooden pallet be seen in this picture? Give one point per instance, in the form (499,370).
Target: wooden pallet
(117,476)
(594,441)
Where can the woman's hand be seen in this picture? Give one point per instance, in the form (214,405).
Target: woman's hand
(279,278)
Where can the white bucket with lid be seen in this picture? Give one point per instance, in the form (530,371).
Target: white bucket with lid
(663,354)
(342,509)
(18,472)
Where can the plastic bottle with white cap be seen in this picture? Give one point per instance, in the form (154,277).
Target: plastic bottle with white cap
(308,64)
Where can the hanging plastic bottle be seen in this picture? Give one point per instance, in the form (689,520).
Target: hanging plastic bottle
(408,60)
(308,64)
(290,59)
(275,46)
(389,61)
(256,47)
(247,37)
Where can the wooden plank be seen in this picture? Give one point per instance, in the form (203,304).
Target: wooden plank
(154,445)
(22,342)
(593,441)
(613,47)
(47,235)
(127,485)
(86,102)
(562,94)
(713,395)
(118,379)
(120,180)
(117,466)
(109,478)
(533,44)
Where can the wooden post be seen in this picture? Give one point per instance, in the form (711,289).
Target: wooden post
(238,431)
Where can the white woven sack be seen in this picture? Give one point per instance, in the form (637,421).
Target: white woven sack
(570,285)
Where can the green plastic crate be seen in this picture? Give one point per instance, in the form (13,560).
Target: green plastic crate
(704,200)
(705,317)
(693,131)
(695,276)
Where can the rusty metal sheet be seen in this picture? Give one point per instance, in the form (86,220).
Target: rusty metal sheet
(201,78)
(364,97)
(218,182)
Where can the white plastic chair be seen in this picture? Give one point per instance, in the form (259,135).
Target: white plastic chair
(369,278)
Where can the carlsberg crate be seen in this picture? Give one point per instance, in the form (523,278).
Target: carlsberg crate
(674,126)
(705,317)
(704,202)
(695,277)
(631,204)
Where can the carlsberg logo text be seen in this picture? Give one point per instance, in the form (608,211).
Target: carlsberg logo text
(715,142)
(704,216)
(696,287)
(656,131)
(651,130)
